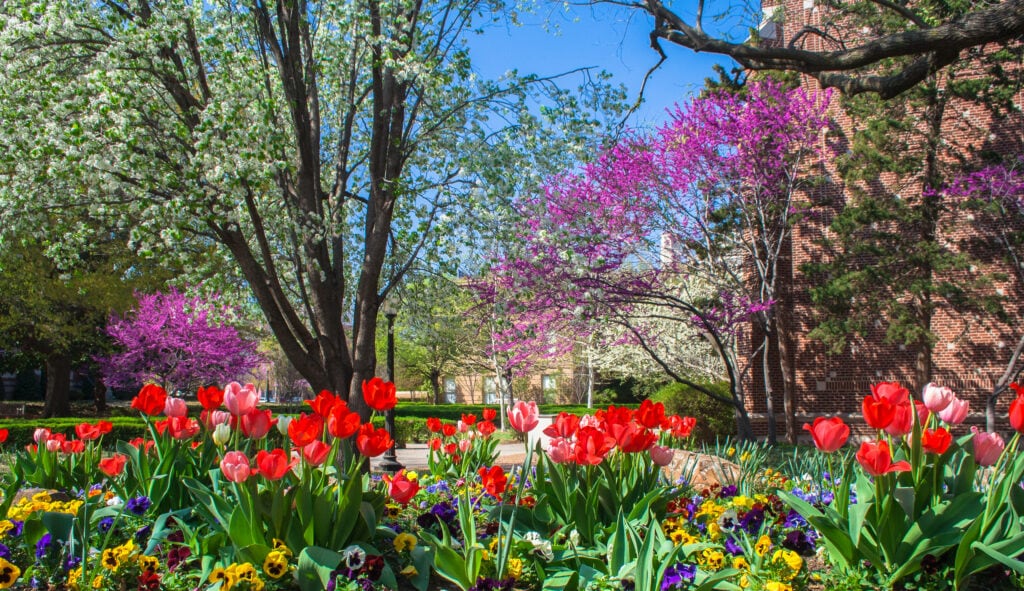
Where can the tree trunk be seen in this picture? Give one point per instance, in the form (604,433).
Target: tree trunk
(99,395)
(58,386)
(785,348)
(769,403)
(435,385)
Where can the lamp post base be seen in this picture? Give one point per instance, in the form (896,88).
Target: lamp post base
(389,463)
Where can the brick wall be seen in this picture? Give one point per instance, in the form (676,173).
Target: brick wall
(972,350)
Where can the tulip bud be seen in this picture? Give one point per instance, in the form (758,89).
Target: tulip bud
(282,424)
(221,434)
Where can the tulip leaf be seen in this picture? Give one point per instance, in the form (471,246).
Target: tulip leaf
(315,567)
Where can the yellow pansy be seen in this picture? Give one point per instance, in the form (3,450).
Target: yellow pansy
(515,567)
(282,548)
(404,542)
(763,545)
(744,581)
(789,560)
(712,559)
(731,452)
(9,574)
(744,456)
(740,563)
(275,565)
(148,563)
(409,571)
(110,559)
(777,586)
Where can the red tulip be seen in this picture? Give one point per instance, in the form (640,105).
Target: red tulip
(400,488)
(592,445)
(235,466)
(891,391)
(3,435)
(373,442)
(72,447)
(305,429)
(273,465)
(632,437)
(490,414)
(434,443)
(87,432)
(182,427)
(448,430)
(494,481)
(210,397)
(150,400)
(614,415)
(876,459)
(936,441)
(113,465)
(433,424)
(681,427)
(524,416)
(564,425)
(878,412)
(486,428)
(650,414)
(450,448)
(316,452)
(324,402)
(902,420)
(342,423)
(1017,409)
(379,395)
(829,434)
(469,419)
(105,427)
(257,423)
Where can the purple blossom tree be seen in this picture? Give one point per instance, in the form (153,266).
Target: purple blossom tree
(177,341)
(688,224)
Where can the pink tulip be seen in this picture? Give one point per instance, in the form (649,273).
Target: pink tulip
(560,450)
(462,427)
(902,421)
(987,447)
(956,412)
(235,466)
(937,398)
(239,399)
(256,424)
(41,435)
(175,407)
(220,417)
(464,445)
(524,416)
(589,421)
(53,445)
(662,455)
(316,452)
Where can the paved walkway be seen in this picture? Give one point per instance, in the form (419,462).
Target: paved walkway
(414,455)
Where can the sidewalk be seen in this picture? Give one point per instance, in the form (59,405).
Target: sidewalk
(414,456)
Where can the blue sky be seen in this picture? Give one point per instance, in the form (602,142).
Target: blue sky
(611,39)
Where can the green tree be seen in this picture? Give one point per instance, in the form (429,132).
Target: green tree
(325,145)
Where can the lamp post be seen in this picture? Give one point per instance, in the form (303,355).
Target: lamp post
(390,462)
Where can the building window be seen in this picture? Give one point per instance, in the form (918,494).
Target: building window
(449,390)
(549,385)
(490,391)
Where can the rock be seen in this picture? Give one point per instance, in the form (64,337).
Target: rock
(701,470)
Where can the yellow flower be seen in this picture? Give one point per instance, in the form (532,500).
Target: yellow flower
(742,502)
(282,548)
(411,474)
(713,559)
(744,456)
(714,530)
(244,571)
(148,563)
(740,563)
(110,560)
(744,582)
(74,576)
(226,579)
(5,526)
(790,561)
(409,571)
(275,564)
(731,452)
(515,568)
(404,542)
(763,545)
(97,582)
(9,573)
(777,586)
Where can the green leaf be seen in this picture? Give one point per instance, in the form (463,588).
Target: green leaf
(59,525)
(315,566)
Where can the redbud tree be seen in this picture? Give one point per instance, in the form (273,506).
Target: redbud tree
(177,341)
(686,224)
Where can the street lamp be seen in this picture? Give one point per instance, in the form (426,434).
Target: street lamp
(390,462)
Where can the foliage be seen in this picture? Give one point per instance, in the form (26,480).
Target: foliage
(717,420)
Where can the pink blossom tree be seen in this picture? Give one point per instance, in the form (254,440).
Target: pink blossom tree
(688,224)
(177,341)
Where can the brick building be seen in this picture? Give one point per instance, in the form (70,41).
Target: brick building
(972,350)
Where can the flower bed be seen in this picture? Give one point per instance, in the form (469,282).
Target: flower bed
(235,498)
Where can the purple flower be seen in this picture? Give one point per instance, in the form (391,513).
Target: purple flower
(5,552)
(19,526)
(105,524)
(752,520)
(798,542)
(728,491)
(678,576)
(43,546)
(732,547)
(142,534)
(138,505)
